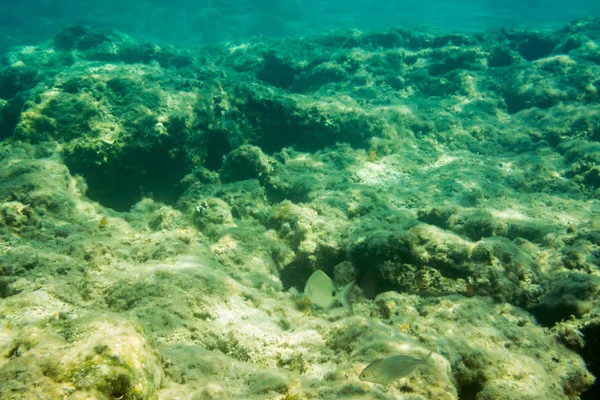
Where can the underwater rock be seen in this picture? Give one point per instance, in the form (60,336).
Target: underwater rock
(486,361)
(247,162)
(114,361)
(45,186)
(78,357)
(212,211)
(450,176)
(570,295)
(15,215)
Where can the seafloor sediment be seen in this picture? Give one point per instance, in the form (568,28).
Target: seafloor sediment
(161,209)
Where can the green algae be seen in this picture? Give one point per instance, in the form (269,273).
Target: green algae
(452,175)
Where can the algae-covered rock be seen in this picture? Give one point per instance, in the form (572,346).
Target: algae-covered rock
(114,361)
(76,357)
(212,211)
(247,162)
(485,361)
(570,295)
(43,188)
(16,215)
(161,210)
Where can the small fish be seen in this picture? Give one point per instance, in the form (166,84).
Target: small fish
(390,369)
(322,292)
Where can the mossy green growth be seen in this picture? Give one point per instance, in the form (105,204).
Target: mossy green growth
(77,37)
(115,362)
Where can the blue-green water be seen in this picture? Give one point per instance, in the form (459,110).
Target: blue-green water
(193,22)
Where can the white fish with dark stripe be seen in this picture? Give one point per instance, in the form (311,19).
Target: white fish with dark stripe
(390,369)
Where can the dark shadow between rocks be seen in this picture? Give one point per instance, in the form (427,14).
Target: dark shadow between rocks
(217,146)
(137,172)
(469,391)
(591,355)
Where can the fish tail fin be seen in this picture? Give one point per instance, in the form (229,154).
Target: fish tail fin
(344,296)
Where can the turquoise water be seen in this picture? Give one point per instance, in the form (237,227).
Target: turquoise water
(194,22)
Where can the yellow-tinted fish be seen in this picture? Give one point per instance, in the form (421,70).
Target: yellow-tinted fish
(390,369)
(322,292)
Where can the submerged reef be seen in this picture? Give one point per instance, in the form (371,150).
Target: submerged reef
(161,209)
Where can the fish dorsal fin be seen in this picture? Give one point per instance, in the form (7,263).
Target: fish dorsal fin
(427,359)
